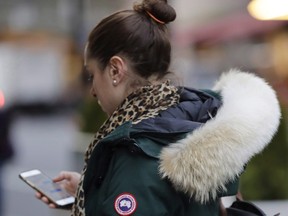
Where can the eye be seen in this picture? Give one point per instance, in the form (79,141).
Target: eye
(87,75)
(90,77)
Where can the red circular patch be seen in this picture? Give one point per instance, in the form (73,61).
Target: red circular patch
(125,204)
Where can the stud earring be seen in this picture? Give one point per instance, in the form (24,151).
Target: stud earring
(114,82)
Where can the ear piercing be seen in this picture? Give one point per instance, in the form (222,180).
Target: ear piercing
(114,82)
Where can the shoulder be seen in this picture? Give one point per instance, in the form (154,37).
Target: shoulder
(212,93)
(225,143)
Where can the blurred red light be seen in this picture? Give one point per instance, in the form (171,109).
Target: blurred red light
(2,99)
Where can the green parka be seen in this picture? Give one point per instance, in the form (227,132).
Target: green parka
(181,162)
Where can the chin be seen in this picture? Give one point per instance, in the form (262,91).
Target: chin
(99,103)
(104,110)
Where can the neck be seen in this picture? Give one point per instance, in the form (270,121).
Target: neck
(135,84)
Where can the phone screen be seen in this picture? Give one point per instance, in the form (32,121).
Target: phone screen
(45,185)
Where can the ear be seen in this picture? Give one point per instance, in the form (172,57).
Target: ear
(118,68)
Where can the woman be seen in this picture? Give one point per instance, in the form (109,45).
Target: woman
(164,150)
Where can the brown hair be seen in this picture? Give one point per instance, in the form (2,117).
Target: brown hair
(137,36)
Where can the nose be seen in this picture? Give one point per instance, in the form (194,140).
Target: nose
(92,92)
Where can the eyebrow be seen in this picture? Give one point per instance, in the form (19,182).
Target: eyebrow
(84,69)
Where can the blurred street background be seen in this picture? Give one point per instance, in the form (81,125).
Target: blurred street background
(47,117)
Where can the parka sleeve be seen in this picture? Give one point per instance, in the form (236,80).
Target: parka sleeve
(135,187)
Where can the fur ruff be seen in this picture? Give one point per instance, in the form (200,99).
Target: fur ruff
(214,154)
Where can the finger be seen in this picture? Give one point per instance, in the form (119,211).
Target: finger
(51,205)
(45,200)
(62,176)
(38,195)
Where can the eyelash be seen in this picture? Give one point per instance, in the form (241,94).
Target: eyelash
(90,78)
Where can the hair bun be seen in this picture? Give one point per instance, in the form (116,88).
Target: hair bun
(158,8)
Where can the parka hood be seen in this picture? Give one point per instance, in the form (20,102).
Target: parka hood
(216,152)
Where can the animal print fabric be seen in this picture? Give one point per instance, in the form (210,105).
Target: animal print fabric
(146,102)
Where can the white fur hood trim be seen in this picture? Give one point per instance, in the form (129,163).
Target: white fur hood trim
(214,154)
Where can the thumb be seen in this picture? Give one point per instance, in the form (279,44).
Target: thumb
(64,175)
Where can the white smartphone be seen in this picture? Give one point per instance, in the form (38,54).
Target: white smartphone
(45,185)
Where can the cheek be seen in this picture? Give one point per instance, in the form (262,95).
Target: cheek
(95,86)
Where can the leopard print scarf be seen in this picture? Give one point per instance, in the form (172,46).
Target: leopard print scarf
(144,103)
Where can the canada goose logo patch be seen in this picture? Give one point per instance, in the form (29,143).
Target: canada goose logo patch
(125,204)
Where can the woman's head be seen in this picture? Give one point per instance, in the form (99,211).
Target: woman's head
(139,39)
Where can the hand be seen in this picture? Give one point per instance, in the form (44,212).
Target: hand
(68,180)
(45,200)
